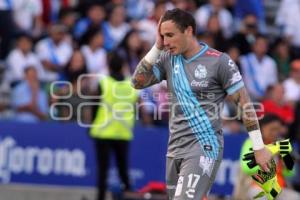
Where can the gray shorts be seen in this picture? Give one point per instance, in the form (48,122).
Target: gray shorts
(191,178)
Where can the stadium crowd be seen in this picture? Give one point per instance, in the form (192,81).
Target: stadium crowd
(52,53)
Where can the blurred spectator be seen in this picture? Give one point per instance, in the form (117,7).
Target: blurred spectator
(292,84)
(230,119)
(54,52)
(258,69)
(187,5)
(148,107)
(287,20)
(77,112)
(234,53)
(29,101)
(115,29)
(229,5)
(214,7)
(6,20)
(83,5)
(245,37)
(75,67)
(94,19)
(5,111)
(147,27)
(68,17)
(94,53)
(294,131)
(276,105)
(162,96)
(250,7)
(281,55)
(137,10)
(112,3)
(206,38)
(28,16)
(214,28)
(52,8)
(20,57)
(113,123)
(130,49)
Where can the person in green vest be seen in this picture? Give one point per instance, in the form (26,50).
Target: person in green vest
(113,122)
(267,185)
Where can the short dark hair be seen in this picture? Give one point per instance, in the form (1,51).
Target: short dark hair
(269,118)
(261,36)
(115,62)
(90,34)
(181,18)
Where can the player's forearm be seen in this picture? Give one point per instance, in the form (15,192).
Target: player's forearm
(249,117)
(252,126)
(144,75)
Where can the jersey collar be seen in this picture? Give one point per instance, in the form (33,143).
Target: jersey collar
(200,53)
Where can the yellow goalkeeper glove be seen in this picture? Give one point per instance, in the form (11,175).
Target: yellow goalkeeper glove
(284,149)
(268,180)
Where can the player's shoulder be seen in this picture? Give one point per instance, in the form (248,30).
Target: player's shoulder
(214,53)
(216,56)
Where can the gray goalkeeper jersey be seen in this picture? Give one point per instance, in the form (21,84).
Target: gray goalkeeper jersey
(198,87)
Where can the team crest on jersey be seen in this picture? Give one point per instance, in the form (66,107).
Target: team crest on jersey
(200,72)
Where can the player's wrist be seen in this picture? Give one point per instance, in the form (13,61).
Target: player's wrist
(153,54)
(256,139)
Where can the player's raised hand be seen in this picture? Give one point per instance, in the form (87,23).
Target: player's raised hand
(159,38)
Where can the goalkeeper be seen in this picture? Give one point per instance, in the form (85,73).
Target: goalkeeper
(269,185)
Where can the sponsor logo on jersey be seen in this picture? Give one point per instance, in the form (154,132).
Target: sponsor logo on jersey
(199,83)
(200,72)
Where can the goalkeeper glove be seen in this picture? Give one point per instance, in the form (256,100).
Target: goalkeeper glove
(266,180)
(282,147)
(285,149)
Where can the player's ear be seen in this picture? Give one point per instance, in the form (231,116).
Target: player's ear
(189,30)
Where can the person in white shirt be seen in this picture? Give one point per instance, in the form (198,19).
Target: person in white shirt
(216,7)
(287,19)
(54,52)
(28,16)
(94,53)
(147,27)
(115,29)
(258,69)
(292,84)
(29,100)
(20,57)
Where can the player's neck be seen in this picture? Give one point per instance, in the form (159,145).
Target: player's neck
(192,50)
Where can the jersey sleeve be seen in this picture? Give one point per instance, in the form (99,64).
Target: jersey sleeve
(159,69)
(229,75)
